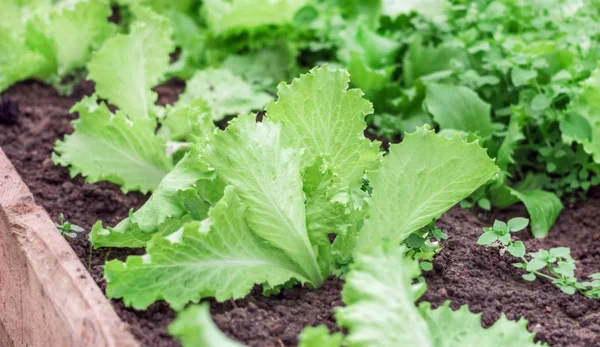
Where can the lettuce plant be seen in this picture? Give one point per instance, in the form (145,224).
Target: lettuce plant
(256,203)
(48,41)
(379,310)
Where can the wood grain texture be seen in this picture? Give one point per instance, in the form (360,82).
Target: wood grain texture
(47,298)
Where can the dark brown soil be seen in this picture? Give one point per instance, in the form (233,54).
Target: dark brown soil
(463,272)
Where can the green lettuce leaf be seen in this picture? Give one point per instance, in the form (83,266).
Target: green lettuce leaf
(187,122)
(194,328)
(421,60)
(265,68)
(379,301)
(379,309)
(128,66)
(322,116)
(165,203)
(458,108)
(463,328)
(319,337)
(251,157)
(226,16)
(77,29)
(124,152)
(543,207)
(18,62)
(225,93)
(218,257)
(422,178)
(49,41)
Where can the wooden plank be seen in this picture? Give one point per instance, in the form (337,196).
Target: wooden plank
(47,298)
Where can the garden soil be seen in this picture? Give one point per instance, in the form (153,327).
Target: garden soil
(33,116)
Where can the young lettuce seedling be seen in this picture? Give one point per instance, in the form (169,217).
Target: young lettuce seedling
(555,264)
(67,229)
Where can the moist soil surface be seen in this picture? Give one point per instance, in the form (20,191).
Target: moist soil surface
(33,116)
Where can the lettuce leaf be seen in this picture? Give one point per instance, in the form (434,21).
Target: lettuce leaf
(458,108)
(77,30)
(251,157)
(422,178)
(319,337)
(219,257)
(128,66)
(543,208)
(379,309)
(225,93)
(124,152)
(50,41)
(320,114)
(233,16)
(194,328)
(379,301)
(18,62)
(166,203)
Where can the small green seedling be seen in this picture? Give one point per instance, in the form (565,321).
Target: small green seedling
(67,229)
(423,244)
(555,264)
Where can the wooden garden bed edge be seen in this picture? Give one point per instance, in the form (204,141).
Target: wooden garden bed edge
(47,297)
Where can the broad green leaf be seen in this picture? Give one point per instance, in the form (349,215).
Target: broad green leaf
(535,265)
(265,68)
(517,249)
(325,218)
(368,79)
(379,309)
(123,235)
(521,77)
(15,13)
(18,62)
(421,178)
(421,60)
(124,152)
(487,238)
(458,108)
(188,122)
(449,328)
(224,16)
(319,337)
(543,207)
(77,29)
(194,328)
(540,102)
(575,127)
(164,204)
(377,50)
(324,117)
(128,66)
(517,224)
(225,93)
(218,257)
(379,301)
(251,157)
